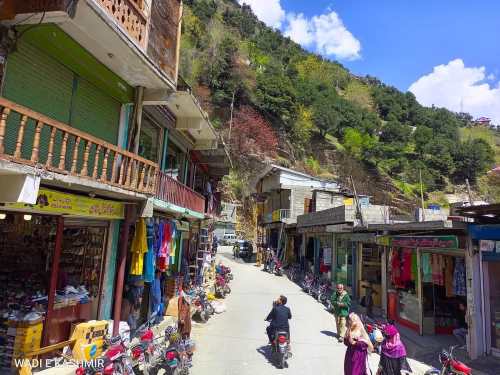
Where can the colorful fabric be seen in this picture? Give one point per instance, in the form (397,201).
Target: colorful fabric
(149,257)
(139,248)
(406,267)
(355,360)
(448,276)
(163,253)
(396,269)
(393,346)
(459,282)
(437,269)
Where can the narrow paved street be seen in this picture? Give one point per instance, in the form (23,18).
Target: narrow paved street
(235,341)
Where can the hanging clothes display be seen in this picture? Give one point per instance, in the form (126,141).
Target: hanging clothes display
(173,243)
(149,257)
(448,276)
(163,253)
(459,282)
(139,248)
(437,269)
(406,270)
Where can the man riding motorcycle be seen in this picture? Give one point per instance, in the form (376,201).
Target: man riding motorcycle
(278,317)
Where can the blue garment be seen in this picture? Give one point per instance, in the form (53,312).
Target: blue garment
(155,294)
(149,256)
(459,281)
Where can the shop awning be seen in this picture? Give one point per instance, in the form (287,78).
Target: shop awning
(160,205)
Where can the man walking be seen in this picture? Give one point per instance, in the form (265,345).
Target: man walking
(341,303)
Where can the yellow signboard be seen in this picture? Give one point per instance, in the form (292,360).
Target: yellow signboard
(56,202)
(348,202)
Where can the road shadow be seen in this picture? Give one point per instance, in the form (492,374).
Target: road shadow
(330,334)
(267,353)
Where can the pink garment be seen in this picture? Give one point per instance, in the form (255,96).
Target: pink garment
(163,253)
(437,264)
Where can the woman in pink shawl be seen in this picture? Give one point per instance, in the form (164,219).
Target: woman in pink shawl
(358,346)
(393,354)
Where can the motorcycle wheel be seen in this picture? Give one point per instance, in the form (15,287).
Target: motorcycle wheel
(228,290)
(281,360)
(210,309)
(203,316)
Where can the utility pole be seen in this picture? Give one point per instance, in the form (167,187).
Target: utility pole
(471,202)
(422,195)
(231,117)
(358,207)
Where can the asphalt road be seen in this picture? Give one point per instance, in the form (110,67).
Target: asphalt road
(234,342)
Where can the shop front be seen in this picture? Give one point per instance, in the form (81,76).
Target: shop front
(427,288)
(318,250)
(53,267)
(486,238)
(369,267)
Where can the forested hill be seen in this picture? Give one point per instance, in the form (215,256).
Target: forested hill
(291,105)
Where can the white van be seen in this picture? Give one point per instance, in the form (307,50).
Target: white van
(229,239)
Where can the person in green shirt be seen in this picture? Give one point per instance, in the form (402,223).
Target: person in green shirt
(341,302)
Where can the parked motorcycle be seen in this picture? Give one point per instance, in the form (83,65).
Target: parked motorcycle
(278,267)
(324,292)
(280,348)
(146,354)
(220,287)
(175,358)
(307,283)
(449,365)
(204,309)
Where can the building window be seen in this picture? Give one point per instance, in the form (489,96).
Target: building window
(150,140)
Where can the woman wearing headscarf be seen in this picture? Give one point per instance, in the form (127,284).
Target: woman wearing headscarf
(358,346)
(393,353)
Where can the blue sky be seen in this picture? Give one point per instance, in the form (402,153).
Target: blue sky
(445,51)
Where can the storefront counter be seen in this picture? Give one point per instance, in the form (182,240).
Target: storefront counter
(60,326)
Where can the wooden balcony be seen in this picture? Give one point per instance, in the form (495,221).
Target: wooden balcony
(172,191)
(30,138)
(130,15)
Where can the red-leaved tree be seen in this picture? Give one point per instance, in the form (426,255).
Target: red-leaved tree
(251,134)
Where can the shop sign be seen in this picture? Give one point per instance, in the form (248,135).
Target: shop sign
(486,245)
(429,242)
(56,202)
(383,240)
(313,229)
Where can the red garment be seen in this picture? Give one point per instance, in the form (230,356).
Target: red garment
(396,268)
(163,253)
(406,266)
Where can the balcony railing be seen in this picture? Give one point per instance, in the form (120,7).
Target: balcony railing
(277,216)
(130,15)
(172,191)
(30,138)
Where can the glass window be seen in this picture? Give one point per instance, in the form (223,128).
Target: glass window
(149,141)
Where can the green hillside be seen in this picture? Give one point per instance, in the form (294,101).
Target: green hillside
(304,111)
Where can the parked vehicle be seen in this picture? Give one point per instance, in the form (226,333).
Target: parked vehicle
(147,354)
(243,249)
(449,365)
(228,239)
(281,348)
(175,359)
(220,287)
(293,273)
(278,267)
(307,283)
(204,309)
(324,291)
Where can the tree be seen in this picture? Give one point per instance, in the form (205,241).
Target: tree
(252,135)
(395,132)
(473,157)
(276,97)
(324,117)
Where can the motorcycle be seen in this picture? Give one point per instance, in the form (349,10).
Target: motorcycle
(175,358)
(449,365)
(220,287)
(115,361)
(278,270)
(324,292)
(307,283)
(204,309)
(146,354)
(280,349)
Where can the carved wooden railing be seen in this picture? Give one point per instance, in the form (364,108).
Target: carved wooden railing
(172,191)
(30,138)
(131,15)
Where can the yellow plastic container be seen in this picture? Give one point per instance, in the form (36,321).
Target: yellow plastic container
(89,338)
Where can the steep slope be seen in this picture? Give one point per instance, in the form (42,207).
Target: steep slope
(272,99)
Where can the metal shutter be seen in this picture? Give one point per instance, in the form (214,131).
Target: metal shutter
(39,82)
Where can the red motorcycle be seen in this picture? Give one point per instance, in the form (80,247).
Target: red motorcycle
(449,365)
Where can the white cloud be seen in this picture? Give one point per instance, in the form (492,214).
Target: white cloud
(454,86)
(299,29)
(326,32)
(268,11)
